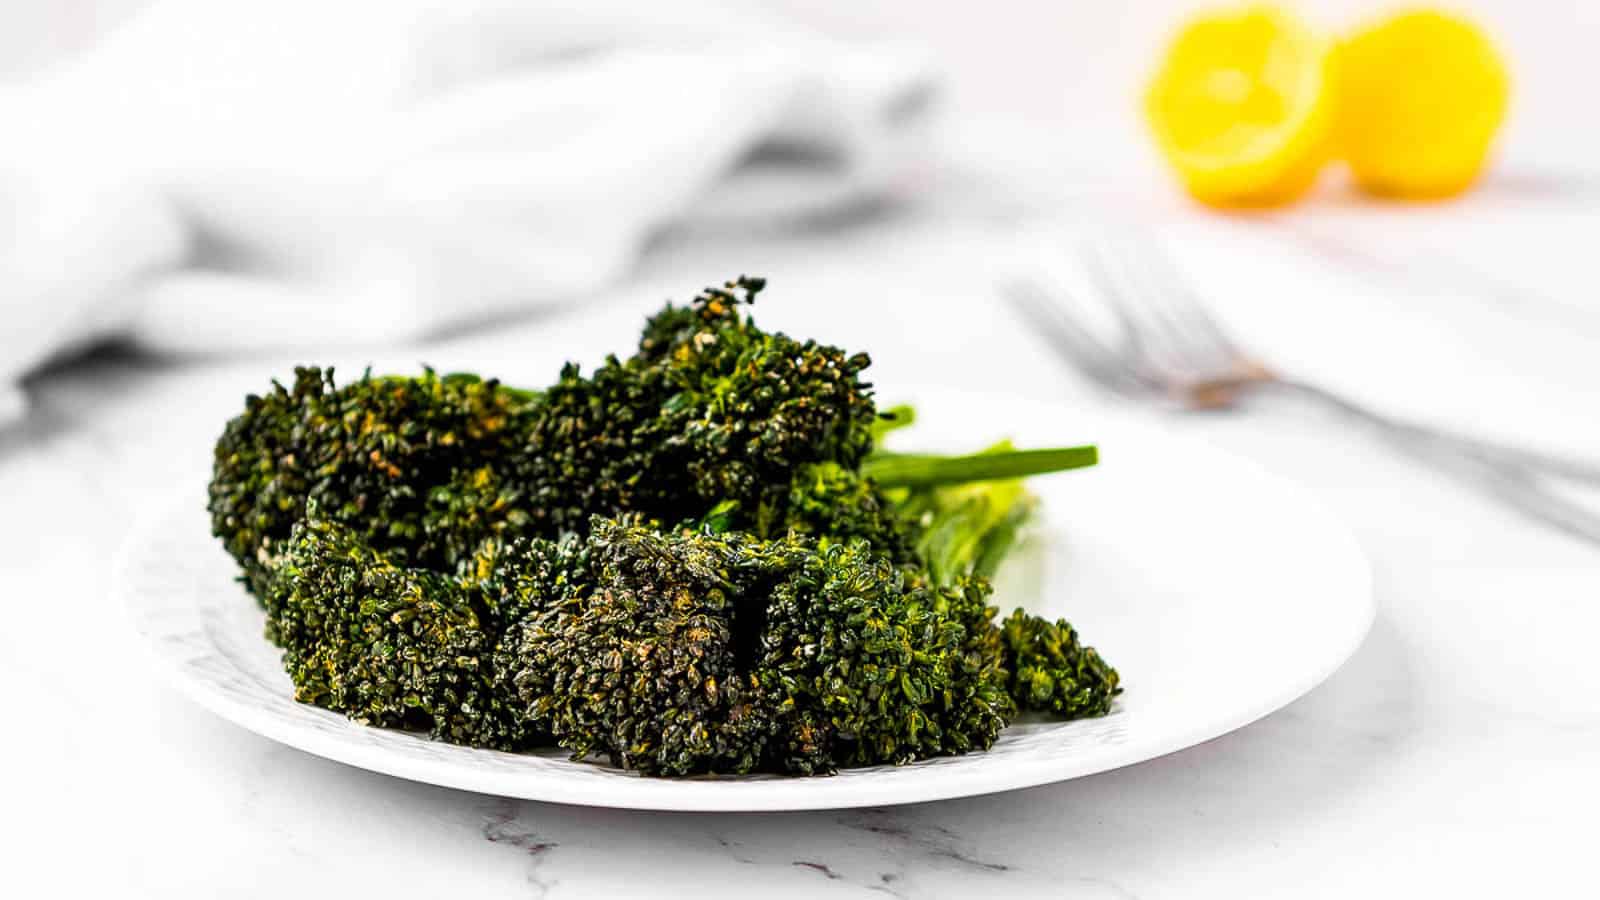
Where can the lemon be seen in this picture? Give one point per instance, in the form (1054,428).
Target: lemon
(1421,94)
(1243,107)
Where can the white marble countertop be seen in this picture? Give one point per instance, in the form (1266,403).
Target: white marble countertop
(1456,752)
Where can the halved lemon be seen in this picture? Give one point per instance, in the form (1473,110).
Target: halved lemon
(1243,107)
(1421,96)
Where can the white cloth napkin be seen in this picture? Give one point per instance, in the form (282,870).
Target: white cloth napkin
(220,176)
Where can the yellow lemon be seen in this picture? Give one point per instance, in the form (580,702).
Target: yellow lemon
(1421,96)
(1243,107)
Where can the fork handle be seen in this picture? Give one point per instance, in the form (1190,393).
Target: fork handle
(1505,473)
(1516,488)
(1491,452)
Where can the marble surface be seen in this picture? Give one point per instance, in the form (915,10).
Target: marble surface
(1455,752)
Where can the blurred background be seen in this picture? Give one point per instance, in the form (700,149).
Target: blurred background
(168,164)
(1076,68)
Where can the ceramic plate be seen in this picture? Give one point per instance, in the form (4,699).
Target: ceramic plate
(1219,591)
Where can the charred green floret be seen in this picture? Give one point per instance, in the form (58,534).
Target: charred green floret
(694,653)
(864,662)
(749,406)
(387,645)
(830,504)
(647,665)
(712,410)
(1052,672)
(408,462)
(522,577)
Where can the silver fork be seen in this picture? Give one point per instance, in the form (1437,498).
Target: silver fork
(1170,348)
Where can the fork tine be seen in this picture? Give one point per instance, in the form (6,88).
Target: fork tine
(1086,352)
(1150,333)
(1109,286)
(1185,301)
(1169,299)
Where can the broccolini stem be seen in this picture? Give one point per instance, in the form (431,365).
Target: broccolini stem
(965,525)
(1001,537)
(929,470)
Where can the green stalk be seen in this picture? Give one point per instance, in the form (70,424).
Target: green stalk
(969,527)
(1002,536)
(929,470)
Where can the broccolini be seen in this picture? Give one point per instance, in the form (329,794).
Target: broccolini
(648,664)
(410,463)
(387,645)
(1052,672)
(867,663)
(712,411)
(690,560)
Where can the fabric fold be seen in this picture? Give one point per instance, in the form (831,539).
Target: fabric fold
(219,177)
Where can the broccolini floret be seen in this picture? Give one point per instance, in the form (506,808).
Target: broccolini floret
(712,410)
(408,462)
(387,645)
(524,576)
(865,663)
(830,503)
(648,664)
(1052,672)
(695,653)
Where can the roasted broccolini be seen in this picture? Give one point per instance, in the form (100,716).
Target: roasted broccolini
(712,411)
(867,663)
(1050,671)
(412,464)
(690,560)
(387,645)
(648,664)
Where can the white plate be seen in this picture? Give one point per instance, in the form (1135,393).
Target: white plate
(1220,593)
